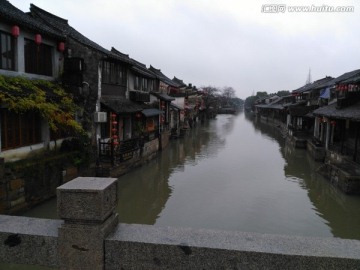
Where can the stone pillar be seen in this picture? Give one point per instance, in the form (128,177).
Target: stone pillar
(86,204)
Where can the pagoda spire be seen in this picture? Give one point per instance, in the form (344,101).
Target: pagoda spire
(308,80)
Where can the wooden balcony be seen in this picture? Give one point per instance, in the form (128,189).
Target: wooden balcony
(139,96)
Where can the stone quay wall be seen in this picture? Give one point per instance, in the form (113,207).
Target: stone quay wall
(89,237)
(26,183)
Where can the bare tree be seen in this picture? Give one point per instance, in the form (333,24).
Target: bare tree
(211,96)
(228,92)
(210,90)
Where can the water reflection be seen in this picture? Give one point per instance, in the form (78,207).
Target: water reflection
(338,210)
(144,192)
(234,173)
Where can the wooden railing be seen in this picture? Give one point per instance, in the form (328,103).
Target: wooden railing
(108,152)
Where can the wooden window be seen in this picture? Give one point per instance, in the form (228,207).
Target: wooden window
(137,83)
(73,71)
(145,85)
(113,73)
(7,50)
(150,85)
(38,58)
(19,129)
(142,84)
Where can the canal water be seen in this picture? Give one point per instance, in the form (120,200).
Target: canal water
(234,173)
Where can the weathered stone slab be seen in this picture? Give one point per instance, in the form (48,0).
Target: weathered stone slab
(87,204)
(87,199)
(82,246)
(29,240)
(149,247)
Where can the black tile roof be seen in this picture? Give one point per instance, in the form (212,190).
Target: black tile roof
(124,57)
(179,82)
(122,105)
(314,85)
(62,25)
(276,104)
(162,96)
(141,69)
(279,103)
(159,75)
(11,14)
(151,112)
(341,78)
(353,80)
(351,112)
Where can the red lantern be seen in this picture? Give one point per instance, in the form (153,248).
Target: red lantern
(15,31)
(333,123)
(138,115)
(38,39)
(113,115)
(114,123)
(61,46)
(115,143)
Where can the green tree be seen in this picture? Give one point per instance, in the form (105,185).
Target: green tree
(48,98)
(249,101)
(282,93)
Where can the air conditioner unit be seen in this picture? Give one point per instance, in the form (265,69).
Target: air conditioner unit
(100,117)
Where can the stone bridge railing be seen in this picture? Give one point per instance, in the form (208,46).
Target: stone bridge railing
(89,237)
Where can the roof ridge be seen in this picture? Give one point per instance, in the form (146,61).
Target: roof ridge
(37,9)
(138,63)
(118,52)
(154,69)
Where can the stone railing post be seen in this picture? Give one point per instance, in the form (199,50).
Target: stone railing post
(86,204)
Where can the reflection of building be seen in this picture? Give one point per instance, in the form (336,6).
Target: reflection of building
(269,130)
(323,117)
(339,210)
(144,192)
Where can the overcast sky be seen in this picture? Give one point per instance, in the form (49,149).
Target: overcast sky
(222,42)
